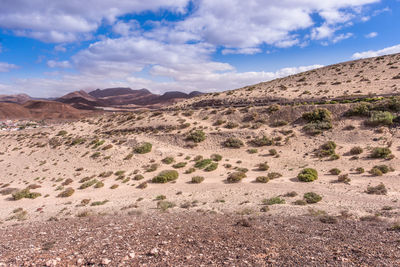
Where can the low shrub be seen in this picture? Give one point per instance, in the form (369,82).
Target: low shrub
(262,141)
(138,177)
(196,136)
(274,175)
(25,193)
(166,176)
(308,175)
(273,201)
(335,171)
(168,160)
(380,152)
(201,164)
(212,167)
(360,170)
(67,192)
(263,166)
(344,178)
(236,177)
(380,118)
(312,197)
(262,179)
(88,184)
(179,165)
(143,148)
(377,190)
(318,121)
(216,157)
(233,143)
(197,179)
(356,150)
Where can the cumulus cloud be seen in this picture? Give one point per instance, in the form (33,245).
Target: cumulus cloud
(67,21)
(375,53)
(6,67)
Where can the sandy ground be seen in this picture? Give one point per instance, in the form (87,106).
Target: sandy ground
(27,159)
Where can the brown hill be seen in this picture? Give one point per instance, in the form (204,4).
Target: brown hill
(18,98)
(81,100)
(364,77)
(38,109)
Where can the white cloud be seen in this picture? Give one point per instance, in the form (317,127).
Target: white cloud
(371,35)
(67,21)
(6,67)
(342,37)
(60,48)
(244,51)
(59,64)
(376,53)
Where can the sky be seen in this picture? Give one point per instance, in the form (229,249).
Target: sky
(50,48)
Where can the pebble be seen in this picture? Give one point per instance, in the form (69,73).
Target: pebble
(105,261)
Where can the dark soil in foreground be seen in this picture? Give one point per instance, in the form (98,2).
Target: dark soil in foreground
(194,239)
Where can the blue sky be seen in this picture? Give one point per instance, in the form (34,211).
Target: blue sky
(49,48)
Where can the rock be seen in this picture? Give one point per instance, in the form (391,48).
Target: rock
(105,261)
(132,255)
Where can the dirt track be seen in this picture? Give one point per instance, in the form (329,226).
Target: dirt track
(194,239)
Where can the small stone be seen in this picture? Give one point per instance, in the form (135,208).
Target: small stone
(105,261)
(132,255)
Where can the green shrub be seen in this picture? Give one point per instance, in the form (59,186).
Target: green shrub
(252,151)
(274,175)
(300,202)
(377,190)
(318,121)
(179,165)
(143,148)
(380,152)
(335,171)
(262,141)
(196,136)
(99,184)
(67,192)
(168,160)
(344,178)
(201,164)
(327,149)
(88,184)
(360,170)
(233,143)
(62,133)
(356,150)
(166,176)
(25,193)
(360,109)
(216,157)
(308,175)
(190,170)
(273,201)
(231,125)
(114,186)
(138,177)
(153,167)
(165,205)
(273,152)
(197,179)
(312,197)
(263,166)
(379,170)
(380,118)
(262,179)
(236,177)
(212,167)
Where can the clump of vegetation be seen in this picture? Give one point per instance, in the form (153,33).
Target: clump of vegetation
(273,201)
(25,193)
(196,136)
(377,190)
(231,125)
(67,192)
(216,157)
(312,197)
(262,179)
(308,175)
(274,175)
(212,167)
(138,177)
(168,160)
(380,153)
(252,150)
(99,184)
(318,121)
(380,118)
(360,170)
(197,179)
(233,143)
(273,152)
(263,166)
(290,194)
(114,186)
(165,205)
(356,150)
(201,164)
(360,109)
(344,178)
(236,177)
(129,156)
(99,203)
(328,150)
(143,148)
(335,171)
(190,170)
(379,170)
(88,184)
(166,176)
(262,141)
(179,165)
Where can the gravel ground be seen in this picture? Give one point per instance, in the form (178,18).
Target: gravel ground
(196,239)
